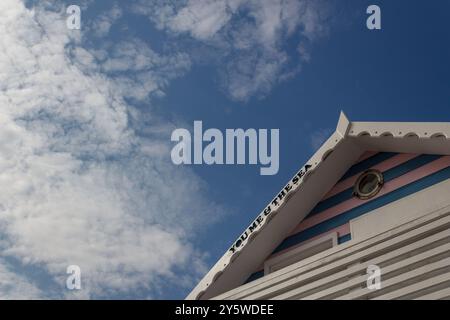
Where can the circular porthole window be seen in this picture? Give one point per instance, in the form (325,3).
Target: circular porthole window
(368,184)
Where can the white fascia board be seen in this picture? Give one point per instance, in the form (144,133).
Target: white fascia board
(400,129)
(406,137)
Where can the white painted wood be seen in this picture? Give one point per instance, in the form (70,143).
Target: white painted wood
(419,247)
(352,270)
(356,276)
(397,282)
(300,253)
(443,294)
(398,294)
(401,211)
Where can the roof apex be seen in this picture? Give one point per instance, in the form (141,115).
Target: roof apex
(343,125)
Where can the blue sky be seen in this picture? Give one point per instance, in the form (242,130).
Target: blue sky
(400,73)
(87,177)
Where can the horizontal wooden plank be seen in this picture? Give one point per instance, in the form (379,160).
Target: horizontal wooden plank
(347,283)
(399,294)
(394,283)
(289,277)
(443,294)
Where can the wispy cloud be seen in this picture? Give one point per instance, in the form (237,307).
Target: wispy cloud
(103,23)
(249,37)
(79,183)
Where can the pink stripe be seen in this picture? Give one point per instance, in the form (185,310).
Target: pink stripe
(390,186)
(382,166)
(366,155)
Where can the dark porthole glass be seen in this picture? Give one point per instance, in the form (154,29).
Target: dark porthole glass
(368,184)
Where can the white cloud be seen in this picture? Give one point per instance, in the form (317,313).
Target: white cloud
(134,69)
(250,36)
(79,184)
(103,23)
(203,19)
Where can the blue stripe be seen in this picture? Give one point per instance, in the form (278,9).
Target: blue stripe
(367,163)
(365,208)
(255,276)
(345,238)
(260,274)
(388,175)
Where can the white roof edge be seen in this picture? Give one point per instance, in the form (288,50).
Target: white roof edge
(343,125)
(400,129)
